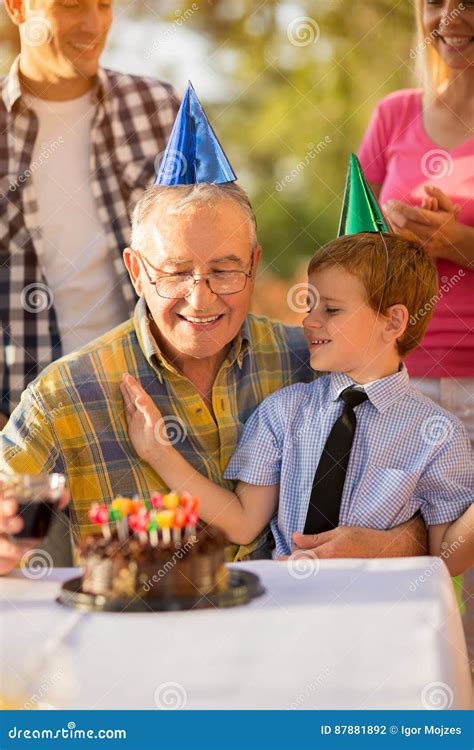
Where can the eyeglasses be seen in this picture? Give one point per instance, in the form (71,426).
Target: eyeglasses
(178,285)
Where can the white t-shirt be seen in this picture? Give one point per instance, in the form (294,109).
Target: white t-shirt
(76,260)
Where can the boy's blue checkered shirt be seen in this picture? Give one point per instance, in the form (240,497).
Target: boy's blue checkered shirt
(408,454)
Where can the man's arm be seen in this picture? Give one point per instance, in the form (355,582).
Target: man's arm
(407,540)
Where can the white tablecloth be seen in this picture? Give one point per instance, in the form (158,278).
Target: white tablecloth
(350,634)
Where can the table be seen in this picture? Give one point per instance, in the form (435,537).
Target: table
(346,634)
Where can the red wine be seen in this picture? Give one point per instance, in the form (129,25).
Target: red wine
(37,519)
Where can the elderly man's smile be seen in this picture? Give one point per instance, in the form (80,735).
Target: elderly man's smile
(201,322)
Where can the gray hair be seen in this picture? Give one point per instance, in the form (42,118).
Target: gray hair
(177,199)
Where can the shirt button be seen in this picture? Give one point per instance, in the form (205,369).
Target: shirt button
(199,411)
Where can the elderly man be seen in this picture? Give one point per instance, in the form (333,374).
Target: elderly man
(196,350)
(77,148)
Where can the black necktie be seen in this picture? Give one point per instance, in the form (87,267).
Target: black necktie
(328,482)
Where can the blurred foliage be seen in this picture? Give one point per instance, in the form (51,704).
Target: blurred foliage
(293,74)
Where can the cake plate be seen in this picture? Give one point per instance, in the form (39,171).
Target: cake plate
(243,587)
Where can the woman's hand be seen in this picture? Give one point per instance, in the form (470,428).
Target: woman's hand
(146,427)
(434,222)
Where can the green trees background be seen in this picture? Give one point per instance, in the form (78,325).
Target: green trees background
(297,84)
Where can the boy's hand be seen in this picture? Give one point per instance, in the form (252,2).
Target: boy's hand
(146,428)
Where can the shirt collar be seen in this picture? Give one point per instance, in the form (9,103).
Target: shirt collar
(158,360)
(240,345)
(12,87)
(382,393)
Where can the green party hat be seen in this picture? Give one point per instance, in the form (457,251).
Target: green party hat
(360,210)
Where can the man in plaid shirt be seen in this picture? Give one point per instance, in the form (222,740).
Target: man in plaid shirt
(77,148)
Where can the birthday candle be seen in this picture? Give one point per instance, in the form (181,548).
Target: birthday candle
(136,504)
(156,499)
(165,518)
(178,525)
(123,506)
(115,516)
(153,530)
(171,501)
(191,523)
(190,503)
(138,523)
(99,514)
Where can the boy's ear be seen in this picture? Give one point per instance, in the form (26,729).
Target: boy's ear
(396,322)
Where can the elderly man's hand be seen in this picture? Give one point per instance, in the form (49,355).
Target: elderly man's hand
(344,541)
(146,427)
(407,540)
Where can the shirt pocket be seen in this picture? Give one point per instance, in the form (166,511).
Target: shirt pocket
(384,497)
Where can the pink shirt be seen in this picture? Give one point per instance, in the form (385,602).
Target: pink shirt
(397,153)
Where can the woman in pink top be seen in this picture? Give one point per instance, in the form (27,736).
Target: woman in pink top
(420,136)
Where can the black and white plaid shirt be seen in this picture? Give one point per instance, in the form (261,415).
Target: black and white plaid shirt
(131,125)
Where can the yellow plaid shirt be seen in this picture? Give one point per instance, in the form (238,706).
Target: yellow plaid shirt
(71,418)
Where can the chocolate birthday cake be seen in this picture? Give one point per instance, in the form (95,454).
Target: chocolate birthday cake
(154,548)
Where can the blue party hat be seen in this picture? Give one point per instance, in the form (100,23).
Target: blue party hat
(193,154)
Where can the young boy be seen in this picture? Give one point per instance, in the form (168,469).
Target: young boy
(371,297)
